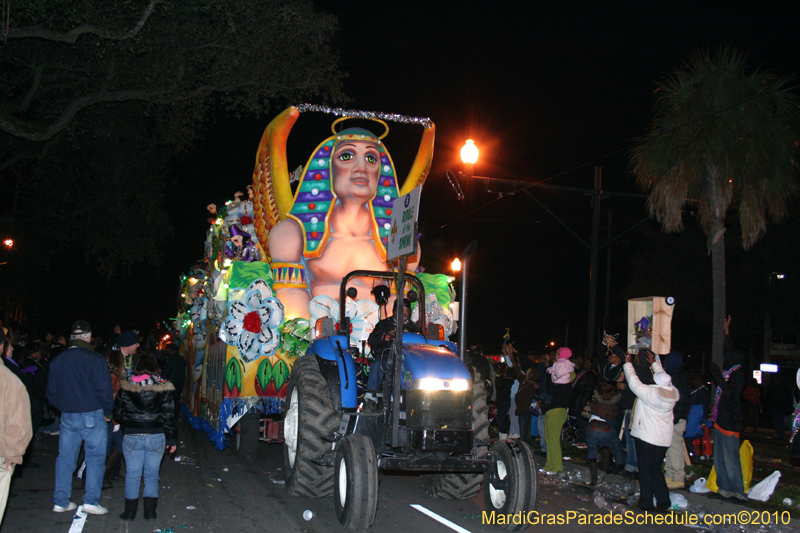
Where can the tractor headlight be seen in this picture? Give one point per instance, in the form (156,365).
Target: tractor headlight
(442,384)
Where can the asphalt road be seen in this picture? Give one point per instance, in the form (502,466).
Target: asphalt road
(242,490)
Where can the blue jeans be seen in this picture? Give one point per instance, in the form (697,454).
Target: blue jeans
(630,447)
(600,439)
(727,463)
(143,454)
(89,428)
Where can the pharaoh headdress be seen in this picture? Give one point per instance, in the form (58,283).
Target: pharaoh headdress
(314,199)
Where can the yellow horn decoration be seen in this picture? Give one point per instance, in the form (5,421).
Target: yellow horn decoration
(422,163)
(272,192)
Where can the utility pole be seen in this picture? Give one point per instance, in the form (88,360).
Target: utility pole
(597,194)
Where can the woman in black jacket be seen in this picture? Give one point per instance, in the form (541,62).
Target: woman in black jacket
(145,409)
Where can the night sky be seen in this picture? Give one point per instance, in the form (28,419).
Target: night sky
(548,90)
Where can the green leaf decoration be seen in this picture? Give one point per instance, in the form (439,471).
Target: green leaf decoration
(264,373)
(233,376)
(438,284)
(295,336)
(280,374)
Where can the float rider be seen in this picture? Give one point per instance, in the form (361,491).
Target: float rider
(381,340)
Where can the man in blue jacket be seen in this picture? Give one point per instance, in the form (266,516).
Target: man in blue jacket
(80,387)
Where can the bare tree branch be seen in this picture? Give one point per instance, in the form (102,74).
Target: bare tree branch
(72,36)
(37,152)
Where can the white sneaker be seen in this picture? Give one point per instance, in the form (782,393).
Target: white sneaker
(94,509)
(513,435)
(59,509)
(503,436)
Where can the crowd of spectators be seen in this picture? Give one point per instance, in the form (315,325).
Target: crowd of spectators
(638,414)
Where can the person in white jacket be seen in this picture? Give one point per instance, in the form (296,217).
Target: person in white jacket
(651,429)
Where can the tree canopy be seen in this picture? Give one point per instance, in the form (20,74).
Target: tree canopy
(97,97)
(721,137)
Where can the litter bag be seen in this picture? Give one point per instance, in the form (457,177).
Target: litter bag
(699,486)
(746,457)
(711,482)
(765,488)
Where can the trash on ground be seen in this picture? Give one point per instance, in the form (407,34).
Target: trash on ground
(699,486)
(278,481)
(765,487)
(225,469)
(308,515)
(677,501)
(170,529)
(191,507)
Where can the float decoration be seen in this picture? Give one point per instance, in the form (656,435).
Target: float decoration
(252,323)
(241,336)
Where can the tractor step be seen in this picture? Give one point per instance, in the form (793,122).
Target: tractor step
(271,431)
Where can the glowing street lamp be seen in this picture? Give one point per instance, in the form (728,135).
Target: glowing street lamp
(8,243)
(456,265)
(469,153)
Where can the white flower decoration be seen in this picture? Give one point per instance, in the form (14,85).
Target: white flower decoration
(363,316)
(253,321)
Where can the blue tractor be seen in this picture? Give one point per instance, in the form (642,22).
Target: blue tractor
(430,416)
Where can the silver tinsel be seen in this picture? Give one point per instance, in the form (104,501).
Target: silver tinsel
(388,117)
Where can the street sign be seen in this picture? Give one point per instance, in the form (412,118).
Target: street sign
(403,235)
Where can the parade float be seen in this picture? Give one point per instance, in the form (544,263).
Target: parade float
(273,254)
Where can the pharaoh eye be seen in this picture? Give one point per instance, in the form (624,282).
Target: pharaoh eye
(372,159)
(345,156)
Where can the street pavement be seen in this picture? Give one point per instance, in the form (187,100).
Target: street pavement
(242,490)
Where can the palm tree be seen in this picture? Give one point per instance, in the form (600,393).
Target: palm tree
(720,137)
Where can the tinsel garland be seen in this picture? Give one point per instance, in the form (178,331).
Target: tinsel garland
(228,407)
(371,115)
(795,424)
(725,375)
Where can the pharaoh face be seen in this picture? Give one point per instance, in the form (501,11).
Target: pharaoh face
(356,167)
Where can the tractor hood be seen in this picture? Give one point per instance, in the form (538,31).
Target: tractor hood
(428,361)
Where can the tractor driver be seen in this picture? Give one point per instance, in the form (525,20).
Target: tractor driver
(381,340)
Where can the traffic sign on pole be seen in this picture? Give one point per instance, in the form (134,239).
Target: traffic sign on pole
(403,235)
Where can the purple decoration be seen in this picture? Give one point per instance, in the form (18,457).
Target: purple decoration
(321,196)
(306,217)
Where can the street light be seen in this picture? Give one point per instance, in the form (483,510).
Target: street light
(469,156)
(456,265)
(8,243)
(469,152)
